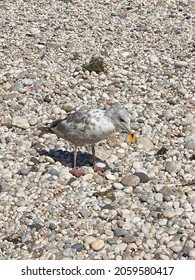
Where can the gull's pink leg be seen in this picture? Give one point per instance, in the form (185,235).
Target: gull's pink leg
(95,167)
(76,172)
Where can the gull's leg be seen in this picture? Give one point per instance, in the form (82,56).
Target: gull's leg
(95,167)
(93,153)
(76,172)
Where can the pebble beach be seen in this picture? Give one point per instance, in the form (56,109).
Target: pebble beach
(143,206)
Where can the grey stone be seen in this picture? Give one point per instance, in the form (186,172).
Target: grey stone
(129,239)
(173,166)
(77,246)
(143,177)
(153,58)
(68,107)
(111,241)
(17,86)
(27,82)
(145,142)
(130,180)
(52,226)
(85,213)
(118,186)
(107,206)
(190,145)
(20,122)
(24,171)
(181,63)
(54,172)
(119,232)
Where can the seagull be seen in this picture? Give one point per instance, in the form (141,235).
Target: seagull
(89,126)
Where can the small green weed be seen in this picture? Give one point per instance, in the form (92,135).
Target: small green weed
(95,64)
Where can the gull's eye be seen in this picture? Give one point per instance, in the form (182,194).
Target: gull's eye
(121,119)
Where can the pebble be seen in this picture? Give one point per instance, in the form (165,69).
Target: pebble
(192,253)
(33,121)
(97,244)
(52,226)
(77,246)
(20,122)
(173,166)
(120,232)
(42,78)
(68,107)
(24,171)
(142,176)
(17,86)
(118,186)
(89,239)
(168,213)
(153,58)
(145,143)
(102,77)
(129,239)
(130,180)
(27,82)
(84,213)
(110,177)
(181,63)
(190,145)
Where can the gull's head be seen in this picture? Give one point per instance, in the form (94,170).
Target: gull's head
(120,118)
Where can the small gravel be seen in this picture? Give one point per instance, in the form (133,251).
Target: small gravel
(142,207)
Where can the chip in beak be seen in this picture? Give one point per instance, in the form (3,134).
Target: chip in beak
(132,138)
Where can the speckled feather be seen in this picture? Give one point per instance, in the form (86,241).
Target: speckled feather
(90,126)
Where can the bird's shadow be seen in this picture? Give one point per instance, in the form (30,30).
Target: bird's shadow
(66,158)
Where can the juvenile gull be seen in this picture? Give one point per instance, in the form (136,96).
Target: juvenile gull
(89,126)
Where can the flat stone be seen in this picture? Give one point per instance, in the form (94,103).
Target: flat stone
(54,172)
(85,213)
(33,121)
(6,86)
(190,145)
(107,206)
(181,63)
(143,177)
(102,77)
(118,186)
(77,246)
(68,107)
(111,241)
(110,177)
(167,190)
(35,225)
(20,122)
(168,114)
(173,166)
(153,58)
(24,171)
(119,232)
(145,143)
(89,239)
(21,209)
(168,213)
(27,82)
(52,226)
(192,253)
(17,86)
(130,180)
(129,239)
(97,244)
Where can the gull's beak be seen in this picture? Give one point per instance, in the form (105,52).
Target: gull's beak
(130,134)
(127,129)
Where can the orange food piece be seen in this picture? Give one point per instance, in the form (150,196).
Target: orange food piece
(132,138)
